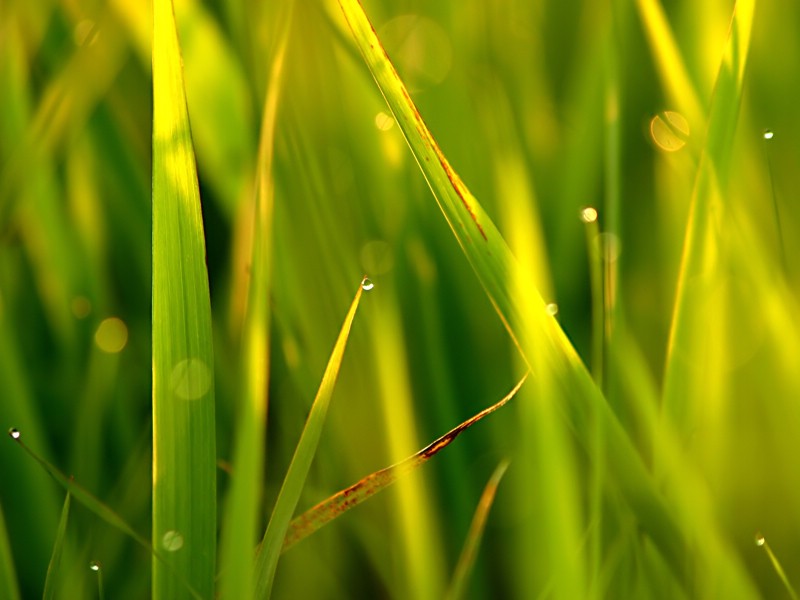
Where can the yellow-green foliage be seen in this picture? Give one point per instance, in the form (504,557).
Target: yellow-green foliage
(191,191)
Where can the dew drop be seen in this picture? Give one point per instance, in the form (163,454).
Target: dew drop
(190,379)
(589,214)
(760,539)
(172,541)
(14,433)
(366,284)
(95,566)
(551,309)
(768,134)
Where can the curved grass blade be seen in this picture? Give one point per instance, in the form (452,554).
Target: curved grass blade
(270,548)
(320,515)
(470,549)
(521,307)
(184,440)
(243,508)
(100,509)
(543,344)
(58,548)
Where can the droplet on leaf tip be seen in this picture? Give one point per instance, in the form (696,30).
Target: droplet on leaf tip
(366,284)
(14,433)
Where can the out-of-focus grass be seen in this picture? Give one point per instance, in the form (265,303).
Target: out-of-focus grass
(542,109)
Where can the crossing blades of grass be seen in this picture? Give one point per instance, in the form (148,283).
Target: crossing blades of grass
(350,497)
(470,550)
(700,269)
(243,509)
(184,453)
(58,547)
(97,507)
(270,548)
(521,308)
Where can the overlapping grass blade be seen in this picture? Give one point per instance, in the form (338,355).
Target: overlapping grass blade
(470,549)
(58,548)
(102,510)
(272,542)
(243,509)
(326,511)
(184,454)
(702,267)
(521,308)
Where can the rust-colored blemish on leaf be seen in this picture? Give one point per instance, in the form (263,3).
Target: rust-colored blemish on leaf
(327,510)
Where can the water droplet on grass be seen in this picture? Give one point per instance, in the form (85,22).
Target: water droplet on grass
(95,566)
(14,433)
(760,539)
(366,284)
(589,214)
(190,379)
(551,309)
(768,134)
(172,541)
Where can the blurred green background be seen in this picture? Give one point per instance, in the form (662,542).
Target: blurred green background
(519,95)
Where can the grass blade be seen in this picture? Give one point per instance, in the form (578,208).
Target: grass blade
(184,454)
(58,547)
(243,508)
(271,544)
(8,577)
(700,263)
(470,549)
(100,509)
(521,307)
(326,511)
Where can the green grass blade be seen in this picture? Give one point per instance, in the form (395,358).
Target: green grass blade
(520,306)
(271,544)
(475,534)
(671,67)
(184,454)
(243,510)
(8,577)
(700,265)
(106,513)
(58,547)
(326,511)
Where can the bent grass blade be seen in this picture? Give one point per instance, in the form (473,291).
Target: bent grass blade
(270,548)
(521,308)
(327,510)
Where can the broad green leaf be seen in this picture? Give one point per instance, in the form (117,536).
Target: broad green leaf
(326,511)
(272,542)
(58,548)
(470,550)
(244,504)
(184,454)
